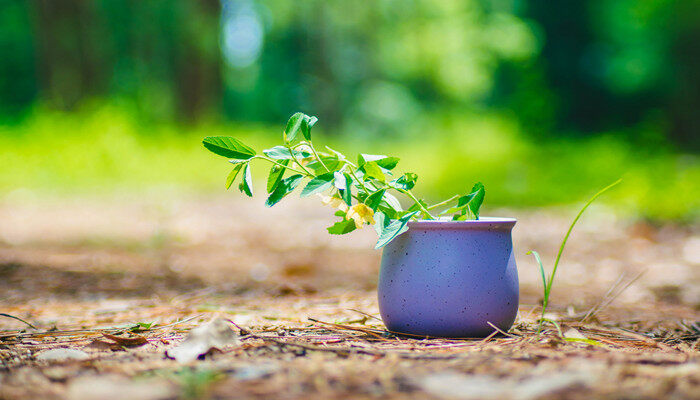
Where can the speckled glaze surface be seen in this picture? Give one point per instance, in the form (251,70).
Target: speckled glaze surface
(450,278)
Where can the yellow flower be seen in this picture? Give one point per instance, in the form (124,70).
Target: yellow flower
(334,202)
(361,214)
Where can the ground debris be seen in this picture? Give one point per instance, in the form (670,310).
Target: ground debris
(202,340)
(451,385)
(115,387)
(133,341)
(62,354)
(306,305)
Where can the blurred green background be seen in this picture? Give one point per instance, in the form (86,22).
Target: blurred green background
(543,101)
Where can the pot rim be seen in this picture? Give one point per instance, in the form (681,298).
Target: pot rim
(481,223)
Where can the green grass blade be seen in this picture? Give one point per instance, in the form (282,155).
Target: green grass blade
(586,341)
(539,262)
(556,325)
(568,233)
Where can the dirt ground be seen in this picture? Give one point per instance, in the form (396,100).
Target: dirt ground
(117,282)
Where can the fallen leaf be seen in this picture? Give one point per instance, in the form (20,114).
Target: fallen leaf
(572,333)
(133,341)
(202,339)
(99,344)
(62,354)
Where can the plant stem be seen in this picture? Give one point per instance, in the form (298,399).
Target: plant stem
(362,184)
(298,163)
(283,166)
(352,172)
(442,203)
(313,150)
(415,199)
(406,192)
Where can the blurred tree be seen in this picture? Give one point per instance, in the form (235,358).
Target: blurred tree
(373,69)
(685,93)
(163,54)
(71,61)
(613,64)
(18,85)
(197,58)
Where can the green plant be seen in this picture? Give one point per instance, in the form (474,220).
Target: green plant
(194,383)
(361,192)
(548,281)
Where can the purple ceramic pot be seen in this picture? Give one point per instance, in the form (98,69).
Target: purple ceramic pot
(450,278)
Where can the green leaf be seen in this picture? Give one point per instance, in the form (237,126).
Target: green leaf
(331,163)
(340,181)
(286,186)
(362,159)
(233,174)
(373,200)
(299,122)
(382,161)
(388,211)
(278,153)
(391,228)
(228,146)
(388,163)
(276,174)
(390,206)
(338,154)
(478,192)
(246,186)
(356,179)
(379,222)
(347,196)
(360,174)
(142,327)
(343,182)
(406,182)
(342,227)
(318,184)
(372,170)
(294,125)
(392,202)
(468,206)
(310,121)
(283,153)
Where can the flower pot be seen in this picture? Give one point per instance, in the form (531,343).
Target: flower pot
(446,278)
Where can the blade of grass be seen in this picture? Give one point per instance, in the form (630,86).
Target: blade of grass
(568,232)
(545,298)
(539,263)
(556,325)
(550,281)
(586,341)
(18,319)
